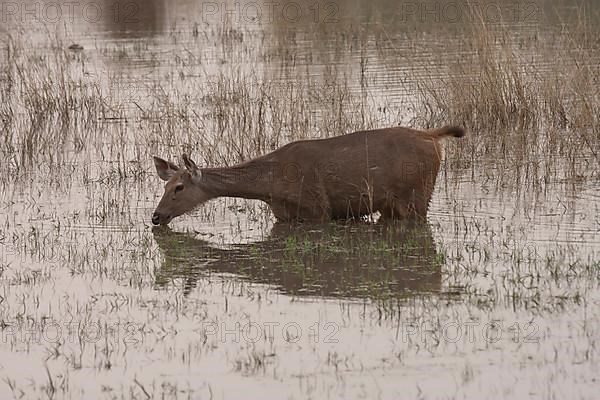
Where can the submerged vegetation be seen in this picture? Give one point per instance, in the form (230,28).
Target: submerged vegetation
(500,286)
(379,262)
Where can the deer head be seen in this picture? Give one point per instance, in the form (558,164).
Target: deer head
(183,191)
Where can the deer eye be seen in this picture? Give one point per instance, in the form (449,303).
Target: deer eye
(178,188)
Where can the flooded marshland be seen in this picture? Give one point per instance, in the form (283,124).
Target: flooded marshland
(496,296)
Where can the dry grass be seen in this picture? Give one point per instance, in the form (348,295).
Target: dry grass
(50,105)
(525,98)
(57,102)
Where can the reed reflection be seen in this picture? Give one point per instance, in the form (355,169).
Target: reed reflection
(359,261)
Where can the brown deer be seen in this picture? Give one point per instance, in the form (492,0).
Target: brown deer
(392,171)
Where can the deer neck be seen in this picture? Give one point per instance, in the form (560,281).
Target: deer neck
(249,180)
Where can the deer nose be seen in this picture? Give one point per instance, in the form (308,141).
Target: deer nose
(156,219)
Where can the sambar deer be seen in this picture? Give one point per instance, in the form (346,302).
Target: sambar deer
(392,171)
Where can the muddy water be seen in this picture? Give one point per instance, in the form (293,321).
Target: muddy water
(496,296)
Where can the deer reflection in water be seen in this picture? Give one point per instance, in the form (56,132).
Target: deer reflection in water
(334,260)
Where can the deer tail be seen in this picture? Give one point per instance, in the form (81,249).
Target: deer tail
(446,131)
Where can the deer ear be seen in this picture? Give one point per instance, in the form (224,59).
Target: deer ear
(191,166)
(165,169)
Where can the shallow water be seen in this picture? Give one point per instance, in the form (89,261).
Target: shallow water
(495,297)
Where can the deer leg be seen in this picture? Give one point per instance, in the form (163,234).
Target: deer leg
(422,198)
(395,210)
(280,212)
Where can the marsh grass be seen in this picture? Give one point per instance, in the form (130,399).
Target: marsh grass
(49,104)
(522,99)
(522,108)
(60,104)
